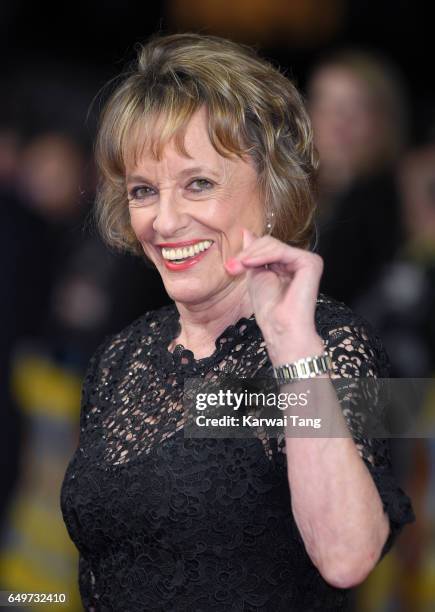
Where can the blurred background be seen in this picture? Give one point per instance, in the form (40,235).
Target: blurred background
(365,69)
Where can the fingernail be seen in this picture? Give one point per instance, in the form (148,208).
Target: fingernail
(232,264)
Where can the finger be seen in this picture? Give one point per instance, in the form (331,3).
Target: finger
(280,251)
(251,242)
(233,264)
(234,267)
(261,259)
(278,256)
(292,260)
(305,284)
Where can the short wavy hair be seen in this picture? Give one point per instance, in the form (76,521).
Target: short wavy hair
(253,109)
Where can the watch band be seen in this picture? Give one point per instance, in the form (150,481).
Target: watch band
(307,367)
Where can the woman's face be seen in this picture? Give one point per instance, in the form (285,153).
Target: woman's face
(348,128)
(188,214)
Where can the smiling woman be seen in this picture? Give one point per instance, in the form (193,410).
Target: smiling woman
(207,164)
(250,109)
(190,208)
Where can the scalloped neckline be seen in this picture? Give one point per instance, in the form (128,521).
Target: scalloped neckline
(180,351)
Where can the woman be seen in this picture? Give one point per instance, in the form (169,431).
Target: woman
(358,113)
(206,159)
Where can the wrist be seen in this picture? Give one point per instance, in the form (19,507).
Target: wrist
(291,349)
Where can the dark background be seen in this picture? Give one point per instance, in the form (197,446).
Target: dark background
(82,44)
(55,62)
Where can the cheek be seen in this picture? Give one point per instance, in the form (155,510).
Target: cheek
(237,206)
(227,219)
(218,214)
(230,219)
(141,224)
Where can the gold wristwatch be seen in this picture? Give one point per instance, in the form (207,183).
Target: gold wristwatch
(307,367)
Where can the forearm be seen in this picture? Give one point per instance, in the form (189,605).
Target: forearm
(335,502)
(336,507)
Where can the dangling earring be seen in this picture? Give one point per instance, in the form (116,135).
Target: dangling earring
(269,225)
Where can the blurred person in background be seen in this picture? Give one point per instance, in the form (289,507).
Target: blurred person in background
(44,214)
(10,258)
(401,305)
(372,229)
(358,114)
(64,292)
(80,286)
(49,178)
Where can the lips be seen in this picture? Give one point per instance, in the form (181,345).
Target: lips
(183,255)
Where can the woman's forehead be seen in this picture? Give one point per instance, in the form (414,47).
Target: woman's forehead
(188,146)
(156,138)
(175,167)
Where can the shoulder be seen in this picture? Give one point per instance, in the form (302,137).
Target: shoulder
(116,348)
(331,313)
(350,338)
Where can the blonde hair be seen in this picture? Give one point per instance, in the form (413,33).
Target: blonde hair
(253,109)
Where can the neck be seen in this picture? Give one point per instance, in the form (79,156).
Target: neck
(202,323)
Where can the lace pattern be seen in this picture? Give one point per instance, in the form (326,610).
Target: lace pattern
(167,523)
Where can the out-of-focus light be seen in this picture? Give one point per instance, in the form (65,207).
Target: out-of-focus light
(289,22)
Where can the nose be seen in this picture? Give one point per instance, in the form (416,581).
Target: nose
(169,219)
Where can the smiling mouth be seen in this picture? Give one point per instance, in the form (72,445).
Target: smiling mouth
(182,254)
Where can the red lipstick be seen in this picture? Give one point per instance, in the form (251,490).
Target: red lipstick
(186,264)
(190,261)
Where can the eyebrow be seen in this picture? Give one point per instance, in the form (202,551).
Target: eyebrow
(137,178)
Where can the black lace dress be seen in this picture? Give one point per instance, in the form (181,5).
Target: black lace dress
(167,523)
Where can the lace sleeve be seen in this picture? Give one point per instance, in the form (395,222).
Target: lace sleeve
(357,352)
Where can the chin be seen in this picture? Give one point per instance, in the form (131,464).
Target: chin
(187,290)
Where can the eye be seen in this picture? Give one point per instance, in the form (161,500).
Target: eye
(200,184)
(140,193)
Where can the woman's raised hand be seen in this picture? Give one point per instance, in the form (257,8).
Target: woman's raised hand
(283,283)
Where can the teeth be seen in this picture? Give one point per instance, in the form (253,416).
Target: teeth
(185,252)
